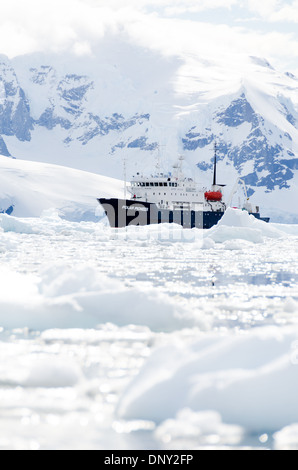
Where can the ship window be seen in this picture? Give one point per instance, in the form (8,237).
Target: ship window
(155,184)
(165,184)
(147,184)
(151,184)
(160,184)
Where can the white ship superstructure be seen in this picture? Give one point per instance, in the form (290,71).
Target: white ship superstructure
(176,191)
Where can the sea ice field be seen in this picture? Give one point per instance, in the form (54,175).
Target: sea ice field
(148,337)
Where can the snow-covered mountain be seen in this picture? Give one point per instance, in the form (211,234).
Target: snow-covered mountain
(128,103)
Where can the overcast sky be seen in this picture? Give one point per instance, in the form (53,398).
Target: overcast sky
(264,28)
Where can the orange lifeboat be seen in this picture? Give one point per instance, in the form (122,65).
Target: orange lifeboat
(213,196)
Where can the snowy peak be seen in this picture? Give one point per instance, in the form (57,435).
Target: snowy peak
(238,112)
(43,75)
(15,116)
(64,97)
(261,61)
(257,148)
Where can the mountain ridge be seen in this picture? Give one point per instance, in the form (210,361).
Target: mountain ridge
(94,115)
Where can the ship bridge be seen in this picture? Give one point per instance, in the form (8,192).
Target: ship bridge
(167,191)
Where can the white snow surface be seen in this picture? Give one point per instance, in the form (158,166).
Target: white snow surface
(147,337)
(33,187)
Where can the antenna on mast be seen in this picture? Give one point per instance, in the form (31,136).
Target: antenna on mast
(158,162)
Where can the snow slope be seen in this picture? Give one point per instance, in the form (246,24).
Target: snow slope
(34,187)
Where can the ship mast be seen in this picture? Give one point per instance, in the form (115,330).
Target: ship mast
(124,177)
(215,163)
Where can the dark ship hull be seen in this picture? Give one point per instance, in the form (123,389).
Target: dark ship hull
(126,212)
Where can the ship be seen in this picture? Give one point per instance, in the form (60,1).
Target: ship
(173,198)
